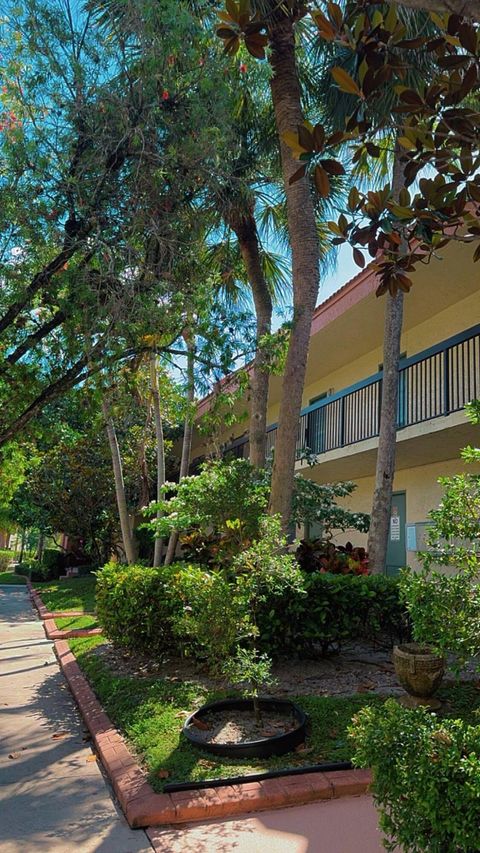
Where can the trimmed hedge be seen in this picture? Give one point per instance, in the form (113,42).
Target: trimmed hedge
(136,606)
(335,609)
(6,558)
(144,609)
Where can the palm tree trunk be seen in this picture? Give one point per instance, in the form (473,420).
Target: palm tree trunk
(387,439)
(302,228)
(245,229)
(187,435)
(158,548)
(127,536)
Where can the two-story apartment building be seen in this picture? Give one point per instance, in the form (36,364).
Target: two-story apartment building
(440,372)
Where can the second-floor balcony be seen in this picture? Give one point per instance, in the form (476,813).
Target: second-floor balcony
(432,384)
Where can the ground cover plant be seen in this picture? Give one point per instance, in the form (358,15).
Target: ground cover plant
(71,594)
(76,622)
(11,578)
(150,712)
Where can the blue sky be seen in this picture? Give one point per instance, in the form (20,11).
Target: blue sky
(345,269)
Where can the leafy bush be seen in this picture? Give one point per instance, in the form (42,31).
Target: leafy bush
(32,570)
(199,611)
(317,503)
(138,606)
(445,608)
(336,609)
(426,776)
(53,561)
(210,616)
(5,560)
(323,556)
(218,511)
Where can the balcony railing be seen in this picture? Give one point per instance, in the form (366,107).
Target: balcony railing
(431,384)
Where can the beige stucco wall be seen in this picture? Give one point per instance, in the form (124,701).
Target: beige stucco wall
(423,493)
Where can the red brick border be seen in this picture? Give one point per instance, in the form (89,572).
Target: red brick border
(50,626)
(143,807)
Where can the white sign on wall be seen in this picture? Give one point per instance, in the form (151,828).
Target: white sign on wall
(395,528)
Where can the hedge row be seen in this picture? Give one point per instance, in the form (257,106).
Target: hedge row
(144,609)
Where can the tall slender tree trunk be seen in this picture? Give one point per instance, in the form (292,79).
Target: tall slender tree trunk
(245,229)
(22,545)
(302,228)
(387,440)
(187,434)
(158,548)
(127,536)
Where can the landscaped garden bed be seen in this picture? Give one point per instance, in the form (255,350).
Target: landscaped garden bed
(150,711)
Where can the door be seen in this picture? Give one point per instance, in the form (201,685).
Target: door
(396,551)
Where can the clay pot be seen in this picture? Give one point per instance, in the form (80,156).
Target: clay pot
(420,672)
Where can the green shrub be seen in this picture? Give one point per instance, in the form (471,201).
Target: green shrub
(53,561)
(6,558)
(138,606)
(217,512)
(335,609)
(191,608)
(208,619)
(426,776)
(32,570)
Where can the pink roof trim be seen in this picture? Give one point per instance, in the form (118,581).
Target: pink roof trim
(356,289)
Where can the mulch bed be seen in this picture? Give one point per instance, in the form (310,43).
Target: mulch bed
(357,668)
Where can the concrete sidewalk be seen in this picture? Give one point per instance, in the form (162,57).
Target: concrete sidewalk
(346,825)
(53,796)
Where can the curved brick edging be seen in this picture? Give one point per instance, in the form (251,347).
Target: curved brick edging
(143,807)
(50,626)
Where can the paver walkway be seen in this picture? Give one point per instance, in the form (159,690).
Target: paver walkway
(53,796)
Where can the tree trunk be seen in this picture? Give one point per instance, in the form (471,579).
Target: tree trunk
(385,469)
(127,536)
(187,435)
(245,229)
(22,545)
(158,549)
(302,229)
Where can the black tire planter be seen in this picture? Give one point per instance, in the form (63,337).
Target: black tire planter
(263,748)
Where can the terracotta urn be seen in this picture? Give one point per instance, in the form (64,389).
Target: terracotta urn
(420,671)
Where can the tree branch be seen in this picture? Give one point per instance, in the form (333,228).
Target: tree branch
(71,378)
(36,337)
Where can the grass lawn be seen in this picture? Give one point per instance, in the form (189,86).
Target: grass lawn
(151,712)
(11,578)
(75,622)
(72,594)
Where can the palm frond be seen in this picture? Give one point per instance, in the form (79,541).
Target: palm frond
(278,275)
